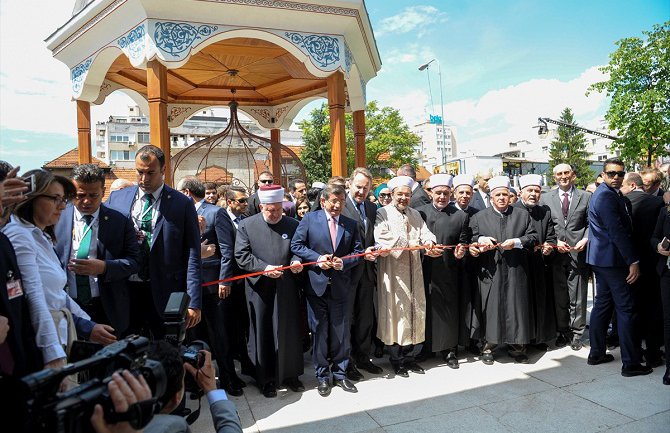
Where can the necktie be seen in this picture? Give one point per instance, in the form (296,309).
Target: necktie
(333,232)
(565,206)
(146,218)
(361,210)
(83,282)
(487,200)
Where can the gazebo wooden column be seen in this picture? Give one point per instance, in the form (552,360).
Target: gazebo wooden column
(275,155)
(84,132)
(359,137)
(336,103)
(159,133)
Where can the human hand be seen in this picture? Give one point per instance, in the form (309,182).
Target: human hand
(205,376)
(486,243)
(371,254)
(433,250)
(546,249)
(14,187)
(473,250)
(56,363)
(224,291)
(562,247)
(192,317)
(662,251)
(296,267)
(4,328)
(459,251)
(202,223)
(325,261)
(91,267)
(272,273)
(338,264)
(633,273)
(124,390)
(579,246)
(206,250)
(102,334)
(507,244)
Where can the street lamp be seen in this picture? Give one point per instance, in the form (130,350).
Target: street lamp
(444,143)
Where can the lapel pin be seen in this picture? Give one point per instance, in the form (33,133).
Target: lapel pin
(106,217)
(169,196)
(284,236)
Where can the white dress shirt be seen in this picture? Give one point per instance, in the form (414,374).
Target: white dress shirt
(136,214)
(43,282)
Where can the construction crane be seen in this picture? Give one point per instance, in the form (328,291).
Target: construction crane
(543,129)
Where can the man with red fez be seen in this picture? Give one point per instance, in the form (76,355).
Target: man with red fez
(263,243)
(542,299)
(503,235)
(442,274)
(401,315)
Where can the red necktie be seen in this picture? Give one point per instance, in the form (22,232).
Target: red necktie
(565,206)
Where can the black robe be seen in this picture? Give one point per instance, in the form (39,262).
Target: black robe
(503,276)
(275,338)
(442,276)
(471,304)
(541,291)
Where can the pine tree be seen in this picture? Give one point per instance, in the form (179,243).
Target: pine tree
(569,147)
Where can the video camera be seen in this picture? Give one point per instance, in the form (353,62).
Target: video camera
(48,410)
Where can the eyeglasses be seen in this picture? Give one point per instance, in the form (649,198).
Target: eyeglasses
(615,173)
(335,201)
(384,195)
(56,199)
(265,180)
(240,200)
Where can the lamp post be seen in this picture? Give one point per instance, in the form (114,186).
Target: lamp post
(444,143)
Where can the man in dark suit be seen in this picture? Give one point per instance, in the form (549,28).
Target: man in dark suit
(364,212)
(264,178)
(419,196)
(570,273)
(166,226)
(481,196)
(326,236)
(219,326)
(616,266)
(645,208)
(97,247)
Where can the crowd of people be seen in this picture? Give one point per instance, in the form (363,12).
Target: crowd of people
(341,269)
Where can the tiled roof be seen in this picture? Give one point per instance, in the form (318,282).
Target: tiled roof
(214,173)
(70,159)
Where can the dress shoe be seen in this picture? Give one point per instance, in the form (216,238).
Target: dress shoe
(653,358)
(666,376)
(369,367)
(635,370)
(353,373)
(379,352)
(294,384)
(561,340)
(576,343)
(324,388)
(600,360)
(238,383)
(542,347)
(233,389)
(401,371)
(520,359)
(346,385)
(473,348)
(270,390)
(487,358)
(415,368)
(451,360)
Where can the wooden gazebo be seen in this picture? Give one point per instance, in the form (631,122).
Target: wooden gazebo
(177,57)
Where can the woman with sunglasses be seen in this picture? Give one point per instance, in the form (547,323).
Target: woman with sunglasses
(383,194)
(55,316)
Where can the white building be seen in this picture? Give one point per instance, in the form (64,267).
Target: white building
(436,146)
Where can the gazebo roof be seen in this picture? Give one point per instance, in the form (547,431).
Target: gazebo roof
(275,55)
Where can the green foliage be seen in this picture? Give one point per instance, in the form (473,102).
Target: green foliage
(639,85)
(569,147)
(387,136)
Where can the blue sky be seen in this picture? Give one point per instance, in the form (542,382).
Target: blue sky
(503,63)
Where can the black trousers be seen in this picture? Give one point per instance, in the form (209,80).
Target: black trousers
(362,318)
(144,318)
(403,355)
(665,299)
(648,303)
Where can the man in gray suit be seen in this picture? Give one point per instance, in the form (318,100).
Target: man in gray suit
(569,210)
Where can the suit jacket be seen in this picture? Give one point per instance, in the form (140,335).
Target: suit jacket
(477,201)
(21,337)
(576,226)
(367,236)
(174,260)
(224,417)
(662,230)
(117,246)
(219,231)
(254,203)
(645,212)
(610,232)
(312,240)
(419,198)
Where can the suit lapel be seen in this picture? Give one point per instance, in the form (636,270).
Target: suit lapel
(166,203)
(68,235)
(103,222)
(576,198)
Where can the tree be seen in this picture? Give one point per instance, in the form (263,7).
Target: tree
(639,84)
(388,142)
(569,147)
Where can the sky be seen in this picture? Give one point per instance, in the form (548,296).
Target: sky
(503,64)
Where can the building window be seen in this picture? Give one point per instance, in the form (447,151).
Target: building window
(122,155)
(143,137)
(121,120)
(118,138)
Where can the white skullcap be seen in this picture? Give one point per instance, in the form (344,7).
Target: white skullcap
(319,185)
(499,182)
(271,194)
(400,181)
(441,179)
(530,179)
(464,179)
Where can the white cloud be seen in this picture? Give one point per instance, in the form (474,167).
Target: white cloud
(409,19)
(409,53)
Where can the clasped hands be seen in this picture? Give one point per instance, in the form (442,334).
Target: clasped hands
(328,261)
(487,243)
(296,267)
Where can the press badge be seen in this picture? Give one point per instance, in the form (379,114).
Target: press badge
(14,288)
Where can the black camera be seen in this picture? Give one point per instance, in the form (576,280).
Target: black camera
(49,410)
